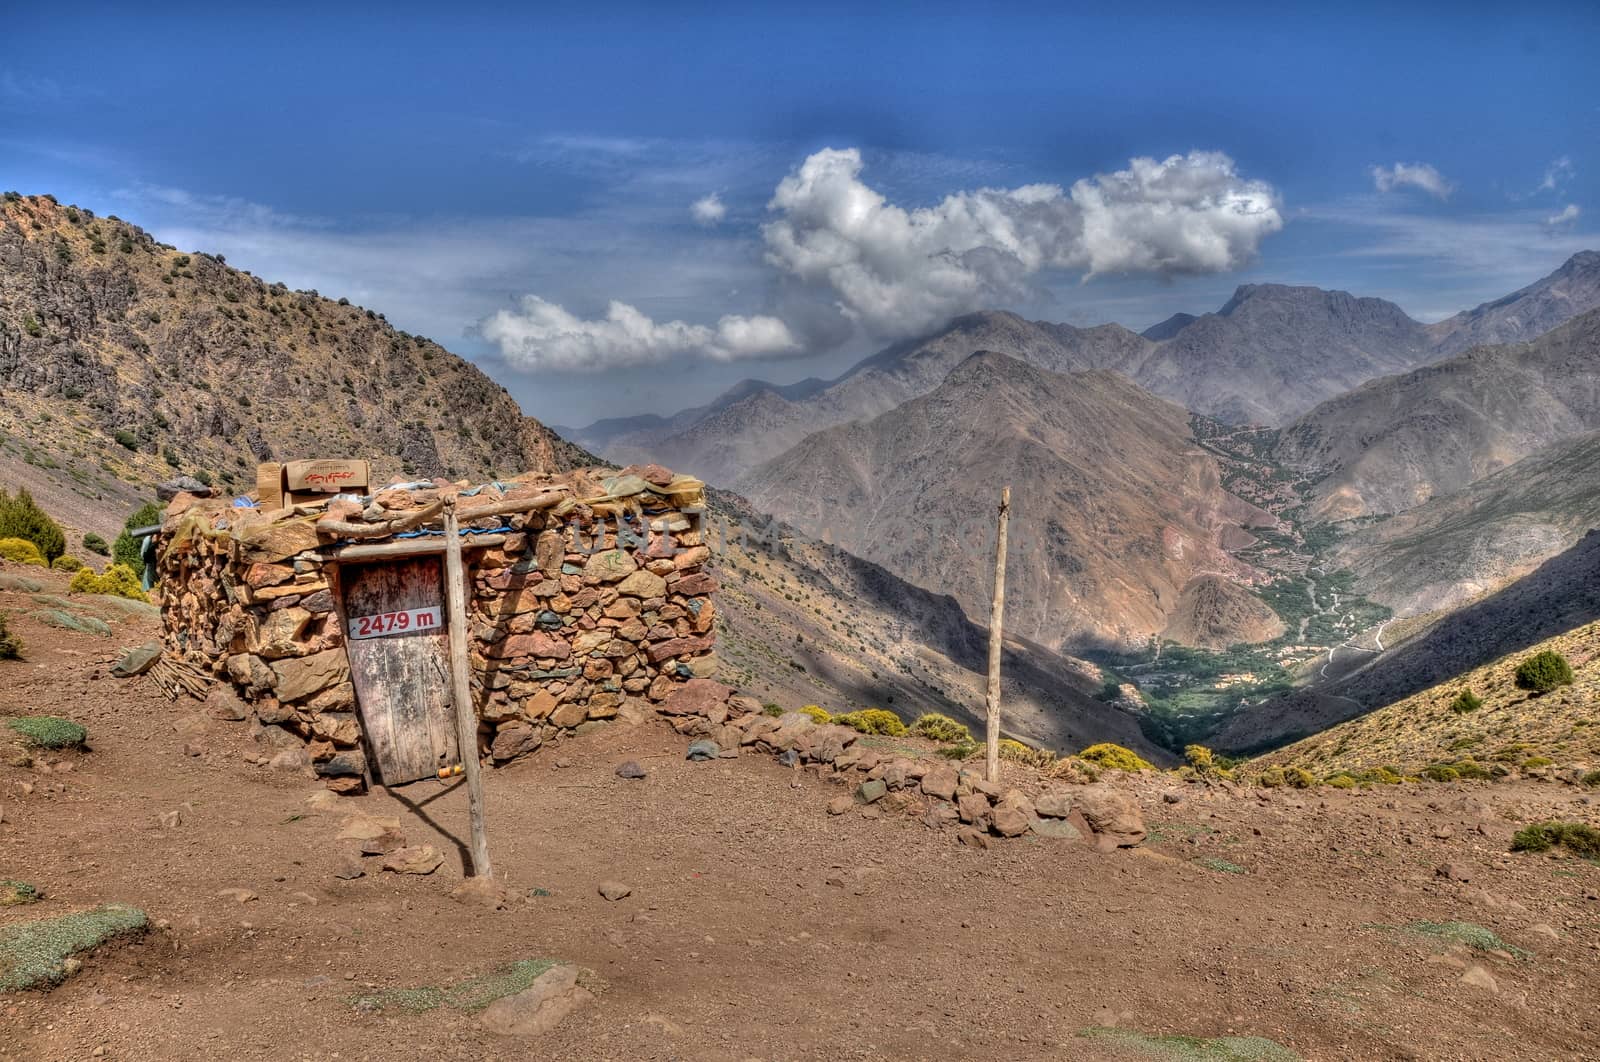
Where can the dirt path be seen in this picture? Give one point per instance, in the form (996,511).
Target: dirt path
(759,927)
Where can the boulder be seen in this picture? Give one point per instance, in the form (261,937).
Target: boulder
(698,696)
(1008,821)
(1053,804)
(1113,815)
(538,1008)
(223,703)
(300,677)
(423,859)
(515,740)
(940,782)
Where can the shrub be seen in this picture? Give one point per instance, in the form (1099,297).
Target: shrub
(1340,781)
(118,580)
(1472,769)
(1017,752)
(15,893)
(48,731)
(1466,701)
(1114,758)
(21,551)
(1543,672)
(21,517)
(1110,691)
(962,751)
(95,544)
(1592,779)
(1574,836)
(66,563)
(10,644)
(1440,772)
(125,550)
(873,721)
(1299,777)
(942,728)
(1201,759)
(126,439)
(1271,778)
(772,710)
(817,715)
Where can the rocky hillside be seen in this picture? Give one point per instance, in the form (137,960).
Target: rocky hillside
(1527,313)
(1115,507)
(124,361)
(1560,596)
(1459,546)
(1513,730)
(1399,441)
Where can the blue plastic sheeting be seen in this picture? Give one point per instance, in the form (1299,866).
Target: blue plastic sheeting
(423,532)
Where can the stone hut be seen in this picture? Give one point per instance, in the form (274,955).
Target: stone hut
(327,617)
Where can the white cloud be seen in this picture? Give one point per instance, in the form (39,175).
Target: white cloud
(540,335)
(708,210)
(1557,174)
(1418,175)
(898,271)
(1567,215)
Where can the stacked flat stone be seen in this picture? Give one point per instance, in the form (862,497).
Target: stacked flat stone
(567,619)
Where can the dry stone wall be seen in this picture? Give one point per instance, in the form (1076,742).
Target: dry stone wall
(584,604)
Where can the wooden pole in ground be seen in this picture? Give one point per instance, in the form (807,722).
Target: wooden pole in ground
(461,688)
(997,609)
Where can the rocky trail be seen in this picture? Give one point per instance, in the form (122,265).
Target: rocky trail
(750,923)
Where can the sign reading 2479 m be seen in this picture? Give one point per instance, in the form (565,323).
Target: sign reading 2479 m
(384,623)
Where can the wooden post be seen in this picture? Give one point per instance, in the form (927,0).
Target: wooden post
(461,688)
(996,613)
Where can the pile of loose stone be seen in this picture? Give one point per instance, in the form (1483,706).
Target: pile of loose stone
(568,615)
(940,794)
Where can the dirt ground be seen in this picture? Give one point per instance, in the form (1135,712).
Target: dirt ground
(759,927)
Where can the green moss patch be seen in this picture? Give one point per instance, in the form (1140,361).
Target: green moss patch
(49,731)
(10,581)
(13,893)
(63,620)
(34,954)
(1221,866)
(1465,934)
(1198,1049)
(471,995)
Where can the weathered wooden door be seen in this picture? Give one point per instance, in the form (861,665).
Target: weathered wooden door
(400,665)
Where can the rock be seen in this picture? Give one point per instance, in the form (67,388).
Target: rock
(1053,804)
(1056,829)
(1478,977)
(424,859)
(972,838)
(610,566)
(348,868)
(1113,815)
(515,740)
(390,840)
(237,895)
(1453,872)
(630,769)
(483,892)
(841,804)
(569,715)
(137,661)
(538,1008)
(300,677)
(973,808)
(940,782)
(182,485)
(871,792)
(612,889)
(704,749)
(1008,821)
(350,763)
(644,584)
(290,760)
(1171,798)
(1542,930)
(698,696)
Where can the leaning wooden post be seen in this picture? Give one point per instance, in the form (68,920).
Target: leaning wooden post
(997,609)
(461,688)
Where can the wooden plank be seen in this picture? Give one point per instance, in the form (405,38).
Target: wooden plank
(455,593)
(411,547)
(401,680)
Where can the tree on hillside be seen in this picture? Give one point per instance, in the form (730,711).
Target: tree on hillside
(125,550)
(21,517)
(1544,671)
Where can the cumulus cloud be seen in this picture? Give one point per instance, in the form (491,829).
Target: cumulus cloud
(896,270)
(1557,174)
(1567,215)
(540,335)
(708,210)
(1418,175)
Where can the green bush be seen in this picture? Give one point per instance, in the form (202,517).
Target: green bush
(942,728)
(126,439)
(17,893)
(118,580)
(1543,672)
(1466,701)
(1110,691)
(1340,781)
(21,551)
(125,550)
(1299,777)
(1017,752)
(1271,778)
(1440,772)
(66,563)
(48,731)
(873,721)
(1115,757)
(21,517)
(1576,837)
(1592,779)
(10,644)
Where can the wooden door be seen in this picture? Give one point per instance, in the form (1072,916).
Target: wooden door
(400,665)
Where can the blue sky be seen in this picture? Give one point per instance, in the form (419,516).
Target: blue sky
(497,178)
